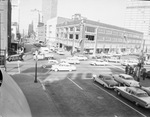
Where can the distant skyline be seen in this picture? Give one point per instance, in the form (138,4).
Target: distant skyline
(106,11)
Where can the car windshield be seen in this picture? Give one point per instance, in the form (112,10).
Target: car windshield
(142,95)
(129,78)
(108,78)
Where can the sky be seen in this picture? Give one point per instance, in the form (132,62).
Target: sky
(106,11)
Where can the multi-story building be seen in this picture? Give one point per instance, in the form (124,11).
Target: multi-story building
(5,24)
(49,9)
(51,29)
(41,32)
(15,19)
(137,17)
(92,36)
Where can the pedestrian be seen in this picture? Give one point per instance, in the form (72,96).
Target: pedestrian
(143,73)
(126,69)
(129,69)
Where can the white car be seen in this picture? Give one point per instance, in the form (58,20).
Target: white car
(63,67)
(129,62)
(70,60)
(113,59)
(39,57)
(60,52)
(99,62)
(147,62)
(126,80)
(81,57)
(48,55)
(50,63)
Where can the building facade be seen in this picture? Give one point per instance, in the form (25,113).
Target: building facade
(96,37)
(5,24)
(15,18)
(137,17)
(49,9)
(51,29)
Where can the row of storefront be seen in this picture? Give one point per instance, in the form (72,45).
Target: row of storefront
(92,36)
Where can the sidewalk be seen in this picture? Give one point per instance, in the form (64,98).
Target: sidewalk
(40,103)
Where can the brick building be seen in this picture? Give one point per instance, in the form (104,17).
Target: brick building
(92,36)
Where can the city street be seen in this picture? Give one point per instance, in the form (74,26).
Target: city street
(75,94)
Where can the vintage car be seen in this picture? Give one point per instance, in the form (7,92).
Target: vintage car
(126,80)
(147,62)
(60,52)
(81,57)
(105,80)
(146,89)
(131,62)
(50,63)
(70,60)
(134,94)
(63,67)
(113,59)
(16,57)
(98,62)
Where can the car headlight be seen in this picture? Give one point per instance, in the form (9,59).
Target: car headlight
(94,76)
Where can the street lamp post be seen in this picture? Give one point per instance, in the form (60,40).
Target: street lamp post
(36,59)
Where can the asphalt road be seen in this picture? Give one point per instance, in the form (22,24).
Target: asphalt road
(76,95)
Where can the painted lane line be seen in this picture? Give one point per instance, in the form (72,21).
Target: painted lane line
(75,84)
(121,101)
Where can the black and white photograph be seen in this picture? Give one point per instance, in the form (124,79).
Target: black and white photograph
(74,58)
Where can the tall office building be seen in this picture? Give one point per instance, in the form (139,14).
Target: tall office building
(137,17)
(15,18)
(49,9)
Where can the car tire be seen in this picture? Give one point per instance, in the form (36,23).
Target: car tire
(94,79)
(56,70)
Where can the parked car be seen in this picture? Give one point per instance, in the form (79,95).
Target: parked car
(105,80)
(129,62)
(81,57)
(16,57)
(125,80)
(99,62)
(63,67)
(50,63)
(60,52)
(148,74)
(134,94)
(113,59)
(146,89)
(48,55)
(70,60)
(147,62)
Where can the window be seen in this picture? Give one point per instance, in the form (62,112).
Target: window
(66,36)
(71,28)
(90,29)
(77,36)
(107,39)
(101,30)
(77,28)
(115,33)
(70,36)
(108,31)
(90,37)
